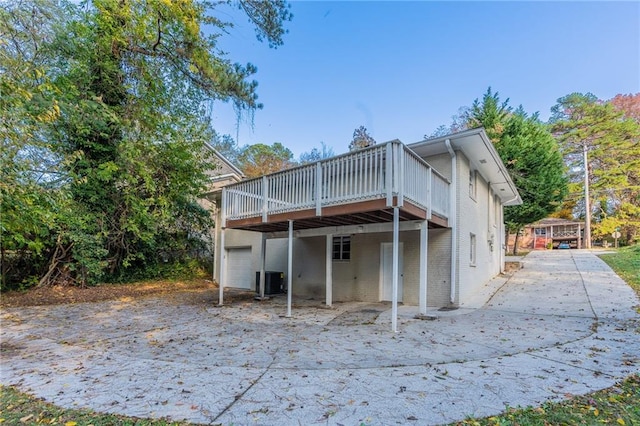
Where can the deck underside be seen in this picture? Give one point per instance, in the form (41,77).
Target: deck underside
(359,213)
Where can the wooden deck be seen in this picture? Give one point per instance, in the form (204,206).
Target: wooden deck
(362,187)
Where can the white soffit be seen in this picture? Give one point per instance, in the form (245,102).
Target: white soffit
(484,158)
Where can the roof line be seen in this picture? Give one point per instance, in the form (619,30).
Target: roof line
(225,160)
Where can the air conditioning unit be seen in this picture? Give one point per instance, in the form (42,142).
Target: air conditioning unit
(273,282)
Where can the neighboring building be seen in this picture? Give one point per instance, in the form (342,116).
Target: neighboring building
(549,233)
(420,224)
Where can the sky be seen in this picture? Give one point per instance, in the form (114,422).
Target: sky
(401,69)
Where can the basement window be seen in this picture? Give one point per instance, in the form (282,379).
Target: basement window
(342,247)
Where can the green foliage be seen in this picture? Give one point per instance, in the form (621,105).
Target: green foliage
(489,113)
(626,263)
(19,408)
(611,135)
(105,132)
(317,154)
(259,159)
(226,146)
(529,153)
(618,405)
(361,139)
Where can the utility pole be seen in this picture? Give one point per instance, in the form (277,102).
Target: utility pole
(587,203)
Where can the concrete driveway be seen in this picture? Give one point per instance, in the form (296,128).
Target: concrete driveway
(565,324)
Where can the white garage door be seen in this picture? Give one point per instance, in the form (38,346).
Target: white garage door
(239,268)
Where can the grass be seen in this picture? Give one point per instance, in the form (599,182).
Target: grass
(17,408)
(618,405)
(626,263)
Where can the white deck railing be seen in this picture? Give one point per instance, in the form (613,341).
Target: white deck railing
(388,171)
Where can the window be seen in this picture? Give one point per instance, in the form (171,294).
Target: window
(472,249)
(472,184)
(342,247)
(541,231)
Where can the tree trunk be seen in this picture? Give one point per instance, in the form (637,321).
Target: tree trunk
(55,264)
(516,241)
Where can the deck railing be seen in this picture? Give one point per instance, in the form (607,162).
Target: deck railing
(388,171)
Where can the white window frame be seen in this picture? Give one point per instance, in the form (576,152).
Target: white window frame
(473,184)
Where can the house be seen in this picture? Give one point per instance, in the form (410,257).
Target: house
(549,233)
(420,224)
(242,248)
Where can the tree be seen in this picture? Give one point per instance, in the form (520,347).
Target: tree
(608,134)
(458,124)
(489,113)
(629,105)
(226,146)
(530,154)
(361,139)
(535,164)
(119,101)
(28,193)
(260,159)
(316,154)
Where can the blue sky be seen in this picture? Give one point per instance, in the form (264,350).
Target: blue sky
(401,69)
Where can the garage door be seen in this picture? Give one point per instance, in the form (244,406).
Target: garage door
(239,268)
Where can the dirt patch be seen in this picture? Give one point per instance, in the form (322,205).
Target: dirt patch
(362,316)
(58,295)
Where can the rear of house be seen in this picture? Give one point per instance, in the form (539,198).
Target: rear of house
(424,219)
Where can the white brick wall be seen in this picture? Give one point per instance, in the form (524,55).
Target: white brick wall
(359,278)
(473,218)
(439,267)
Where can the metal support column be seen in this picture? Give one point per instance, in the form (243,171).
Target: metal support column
(424,257)
(290,269)
(263,261)
(329,270)
(223,269)
(394,280)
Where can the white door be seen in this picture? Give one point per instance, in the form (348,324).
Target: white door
(386,271)
(239,268)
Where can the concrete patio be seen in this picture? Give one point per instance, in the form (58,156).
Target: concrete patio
(562,325)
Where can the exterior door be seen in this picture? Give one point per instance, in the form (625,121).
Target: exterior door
(386,271)
(239,268)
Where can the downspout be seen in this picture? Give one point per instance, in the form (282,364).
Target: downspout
(505,231)
(453,213)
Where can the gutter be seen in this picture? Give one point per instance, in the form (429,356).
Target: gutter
(454,214)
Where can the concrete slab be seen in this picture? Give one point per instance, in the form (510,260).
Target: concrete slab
(565,324)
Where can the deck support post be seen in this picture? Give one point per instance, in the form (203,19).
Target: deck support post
(424,258)
(223,269)
(329,270)
(290,269)
(395,271)
(263,261)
